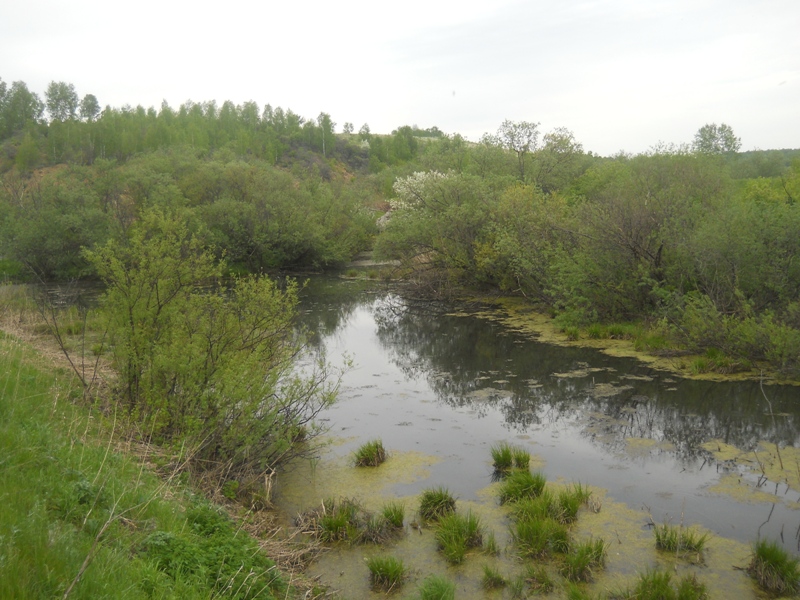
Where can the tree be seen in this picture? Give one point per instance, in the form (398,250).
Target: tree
(61,100)
(327,127)
(348,128)
(89,108)
(716,139)
(520,136)
(21,107)
(204,366)
(364,132)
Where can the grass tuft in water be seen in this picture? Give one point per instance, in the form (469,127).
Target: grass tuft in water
(490,545)
(540,537)
(657,585)
(521,484)
(457,533)
(492,578)
(436,587)
(386,572)
(371,454)
(679,540)
(436,503)
(538,579)
(774,569)
(394,513)
(582,559)
(502,457)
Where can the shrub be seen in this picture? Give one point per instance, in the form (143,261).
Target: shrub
(436,503)
(386,572)
(371,454)
(774,569)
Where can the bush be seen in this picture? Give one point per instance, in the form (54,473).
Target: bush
(207,368)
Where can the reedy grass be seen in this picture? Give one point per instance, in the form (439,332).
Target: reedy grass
(657,585)
(774,569)
(492,578)
(394,513)
(540,537)
(370,454)
(436,587)
(538,579)
(582,558)
(386,572)
(490,544)
(456,533)
(435,503)
(521,484)
(680,540)
(506,456)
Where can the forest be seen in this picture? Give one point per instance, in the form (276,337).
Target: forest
(697,243)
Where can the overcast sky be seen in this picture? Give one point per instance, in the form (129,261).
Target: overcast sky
(621,74)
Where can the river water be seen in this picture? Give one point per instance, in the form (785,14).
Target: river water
(447,382)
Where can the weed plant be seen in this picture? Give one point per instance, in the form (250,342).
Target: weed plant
(492,578)
(774,569)
(371,454)
(386,572)
(582,559)
(436,503)
(540,537)
(679,540)
(436,587)
(521,484)
(456,533)
(394,513)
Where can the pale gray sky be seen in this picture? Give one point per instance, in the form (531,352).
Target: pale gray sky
(621,74)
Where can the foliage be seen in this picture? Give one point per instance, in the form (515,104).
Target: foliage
(716,139)
(207,368)
(774,569)
(370,454)
(436,503)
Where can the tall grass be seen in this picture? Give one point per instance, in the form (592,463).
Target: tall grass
(80,521)
(386,572)
(774,569)
(455,534)
(680,540)
(521,484)
(435,503)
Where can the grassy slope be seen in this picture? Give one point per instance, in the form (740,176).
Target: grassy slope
(70,505)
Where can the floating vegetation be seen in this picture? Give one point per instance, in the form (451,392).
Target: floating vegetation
(370,454)
(435,503)
(521,484)
(436,587)
(455,534)
(681,541)
(386,572)
(774,569)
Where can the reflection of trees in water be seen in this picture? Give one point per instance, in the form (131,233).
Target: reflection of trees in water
(475,363)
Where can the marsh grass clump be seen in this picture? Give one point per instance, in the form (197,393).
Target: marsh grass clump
(502,457)
(774,569)
(538,579)
(386,572)
(540,537)
(436,587)
(683,542)
(394,513)
(338,521)
(520,457)
(521,484)
(657,585)
(492,578)
(455,534)
(490,544)
(582,558)
(435,503)
(542,506)
(371,454)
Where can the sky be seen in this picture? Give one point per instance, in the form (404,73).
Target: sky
(622,75)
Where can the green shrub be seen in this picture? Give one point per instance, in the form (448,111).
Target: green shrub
(370,454)
(774,569)
(386,572)
(436,503)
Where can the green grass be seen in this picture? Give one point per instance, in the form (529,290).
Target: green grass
(436,587)
(506,456)
(435,503)
(657,585)
(490,546)
(370,454)
(69,500)
(521,484)
(538,579)
(456,534)
(540,537)
(492,578)
(680,540)
(339,520)
(394,513)
(386,572)
(774,569)
(583,559)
